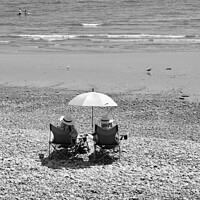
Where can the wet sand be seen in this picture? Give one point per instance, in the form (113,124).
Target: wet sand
(104,72)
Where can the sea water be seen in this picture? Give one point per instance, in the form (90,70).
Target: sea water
(100,25)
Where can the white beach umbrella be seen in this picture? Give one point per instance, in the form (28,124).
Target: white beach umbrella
(93,99)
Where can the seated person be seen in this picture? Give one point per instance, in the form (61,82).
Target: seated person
(20,11)
(68,125)
(106,122)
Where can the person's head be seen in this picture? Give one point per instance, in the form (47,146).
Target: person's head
(20,11)
(67,120)
(106,122)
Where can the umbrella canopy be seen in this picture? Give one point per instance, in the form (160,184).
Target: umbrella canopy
(92,99)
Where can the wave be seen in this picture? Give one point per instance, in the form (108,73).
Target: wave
(48,37)
(4,41)
(91,25)
(142,36)
(110,37)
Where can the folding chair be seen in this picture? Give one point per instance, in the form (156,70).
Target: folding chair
(108,140)
(61,140)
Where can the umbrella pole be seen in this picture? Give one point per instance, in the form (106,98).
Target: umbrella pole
(92,118)
(92,112)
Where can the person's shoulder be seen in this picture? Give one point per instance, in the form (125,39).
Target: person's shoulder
(74,129)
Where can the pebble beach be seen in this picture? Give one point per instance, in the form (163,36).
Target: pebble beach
(158,110)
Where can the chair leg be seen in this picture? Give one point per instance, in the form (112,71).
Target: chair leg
(94,155)
(49,151)
(104,154)
(107,154)
(119,153)
(55,150)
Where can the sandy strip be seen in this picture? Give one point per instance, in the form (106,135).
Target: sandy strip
(105,72)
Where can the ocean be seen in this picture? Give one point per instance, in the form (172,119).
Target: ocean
(100,26)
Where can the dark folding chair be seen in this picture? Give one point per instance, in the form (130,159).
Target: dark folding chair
(61,140)
(108,140)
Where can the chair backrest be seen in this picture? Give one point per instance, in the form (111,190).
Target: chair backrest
(60,136)
(106,136)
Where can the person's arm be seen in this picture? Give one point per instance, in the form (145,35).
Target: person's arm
(74,133)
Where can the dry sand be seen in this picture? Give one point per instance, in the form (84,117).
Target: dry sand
(105,72)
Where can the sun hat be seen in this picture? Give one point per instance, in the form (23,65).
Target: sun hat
(67,119)
(105,119)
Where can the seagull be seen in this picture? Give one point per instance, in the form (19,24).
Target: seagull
(68,67)
(148,70)
(168,68)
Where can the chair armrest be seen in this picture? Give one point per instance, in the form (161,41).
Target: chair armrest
(94,136)
(123,137)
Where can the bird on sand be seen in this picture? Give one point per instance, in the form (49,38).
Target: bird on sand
(148,70)
(168,68)
(68,67)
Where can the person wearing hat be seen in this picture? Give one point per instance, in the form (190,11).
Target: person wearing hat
(106,122)
(68,125)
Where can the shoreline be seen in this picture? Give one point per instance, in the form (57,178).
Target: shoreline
(106,73)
